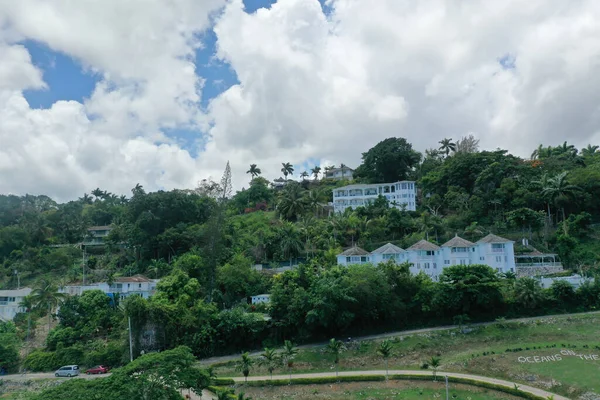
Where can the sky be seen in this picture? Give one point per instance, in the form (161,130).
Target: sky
(164,93)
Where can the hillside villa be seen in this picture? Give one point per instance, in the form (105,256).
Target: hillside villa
(399,194)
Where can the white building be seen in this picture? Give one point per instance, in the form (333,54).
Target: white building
(261,298)
(574,280)
(431,259)
(399,194)
(96,235)
(9,302)
(340,173)
(121,287)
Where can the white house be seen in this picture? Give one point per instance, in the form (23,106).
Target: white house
(261,298)
(354,255)
(399,194)
(340,173)
(121,287)
(431,259)
(96,235)
(9,302)
(574,280)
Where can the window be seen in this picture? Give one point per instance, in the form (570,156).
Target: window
(473,249)
(419,265)
(505,258)
(481,258)
(140,285)
(363,259)
(404,186)
(463,262)
(426,265)
(434,265)
(355,259)
(429,252)
(512,270)
(498,258)
(348,259)
(497,247)
(459,250)
(447,262)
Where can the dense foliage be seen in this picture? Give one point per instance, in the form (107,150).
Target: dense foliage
(204,243)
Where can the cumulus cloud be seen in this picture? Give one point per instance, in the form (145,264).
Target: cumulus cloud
(513,73)
(313,87)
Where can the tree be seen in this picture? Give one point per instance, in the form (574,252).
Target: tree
(254,171)
(528,293)
(434,364)
(245,365)
(291,202)
(391,160)
(447,146)
(289,353)
(316,171)
(589,150)
(468,144)
(385,351)
(304,175)
(335,348)
(270,360)
(45,296)
(558,190)
(291,243)
(226,186)
(287,169)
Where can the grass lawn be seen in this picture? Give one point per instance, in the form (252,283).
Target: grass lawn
(482,352)
(373,390)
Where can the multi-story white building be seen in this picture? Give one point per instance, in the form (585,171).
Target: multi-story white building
(261,298)
(431,259)
(121,287)
(340,173)
(399,194)
(10,301)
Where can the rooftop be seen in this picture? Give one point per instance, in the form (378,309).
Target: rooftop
(135,278)
(369,185)
(100,228)
(16,292)
(388,249)
(457,241)
(340,169)
(354,251)
(424,245)
(491,238)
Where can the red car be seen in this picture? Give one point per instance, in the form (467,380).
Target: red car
(100,369)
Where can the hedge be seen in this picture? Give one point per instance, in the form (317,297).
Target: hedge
(378,378)
(223,382)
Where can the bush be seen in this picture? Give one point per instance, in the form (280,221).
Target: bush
(41,361)
(317,381)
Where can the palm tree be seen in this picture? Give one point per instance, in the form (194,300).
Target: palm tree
(45,296)
(254,171)
(287,169)
(245,365)
(385,351)
(291,202)
(312,201)
(528,292)
(434,364)
(589,150)
(304,175)
(558,190)
(288,354)
(335,347)
(269,359)
(447,146)
(242,396)
(316,171)
(291,244)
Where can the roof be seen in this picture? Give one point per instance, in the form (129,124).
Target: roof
(457,241)
(424,245)
(534,253)
(369,185)
(354,251)
(100,228)
(340,169)
(16,292)
(491,238)
(388,249)
(135,278)
(262,295)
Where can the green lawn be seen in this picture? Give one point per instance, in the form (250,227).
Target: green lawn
(371,390)
(481,352)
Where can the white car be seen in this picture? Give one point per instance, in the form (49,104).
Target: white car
(68,371)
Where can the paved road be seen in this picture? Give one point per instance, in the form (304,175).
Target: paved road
(525,388)
(221,359)
(47,375)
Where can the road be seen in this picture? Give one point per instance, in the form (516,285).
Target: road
(525,388)
(47,375)
(222,359)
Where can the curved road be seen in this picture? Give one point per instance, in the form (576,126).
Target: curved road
(524,388)
(221,359)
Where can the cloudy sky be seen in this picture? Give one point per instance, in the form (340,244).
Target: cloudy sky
(110,93)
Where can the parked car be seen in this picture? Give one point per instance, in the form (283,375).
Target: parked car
(99,369)
(68,371)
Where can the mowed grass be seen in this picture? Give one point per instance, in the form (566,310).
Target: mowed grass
(371,390)
(483,351)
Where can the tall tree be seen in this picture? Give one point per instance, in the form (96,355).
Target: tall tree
(385,351)
(434,364)
(467,144)
(287,169)
(316,171)
(226,186)
(270,360)
(558,190)
(245,365)
(291,244)
(589,150)
(291,201)
(528,292)
(447,145)
(45,296)
(390,160)
(289,353)
(304,175)
(254,171)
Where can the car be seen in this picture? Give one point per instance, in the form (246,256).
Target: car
(99,369)
(68,371)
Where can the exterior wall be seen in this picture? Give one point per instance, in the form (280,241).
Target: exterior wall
(404,192)
(261,298)
(500,256)
(576,281)
(426,261)
(346,174)
(529,271)
(347,260)
(122,289)
(9,306)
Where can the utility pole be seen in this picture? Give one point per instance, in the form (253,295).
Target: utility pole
(447,397)
(18,279)
(130,341)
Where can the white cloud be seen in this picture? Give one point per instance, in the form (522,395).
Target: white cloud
(312,87)
(331,88)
